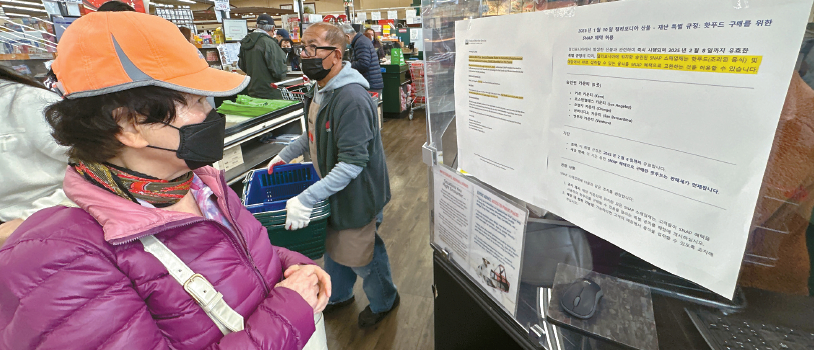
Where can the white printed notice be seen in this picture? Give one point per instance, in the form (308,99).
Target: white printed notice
(647,123)
(483,232)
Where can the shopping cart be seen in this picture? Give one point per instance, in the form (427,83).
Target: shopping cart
(294,92)
(418,95)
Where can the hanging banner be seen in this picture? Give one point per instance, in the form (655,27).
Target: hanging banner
(361,17)
(375,16)
(392,15)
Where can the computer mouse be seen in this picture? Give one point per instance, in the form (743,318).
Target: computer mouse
(581,298)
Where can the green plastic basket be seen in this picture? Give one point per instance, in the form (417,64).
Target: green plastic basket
(309,241)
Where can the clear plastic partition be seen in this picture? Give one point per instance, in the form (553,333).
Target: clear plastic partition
(775,282)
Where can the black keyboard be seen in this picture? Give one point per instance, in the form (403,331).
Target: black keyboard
(731,333)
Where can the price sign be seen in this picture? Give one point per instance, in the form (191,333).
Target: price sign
(220,5)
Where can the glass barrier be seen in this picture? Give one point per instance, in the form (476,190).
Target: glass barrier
(775,283)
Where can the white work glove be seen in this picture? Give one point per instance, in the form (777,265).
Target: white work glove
(298,215)
(275,162)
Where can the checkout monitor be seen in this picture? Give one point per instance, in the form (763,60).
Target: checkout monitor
(61,23)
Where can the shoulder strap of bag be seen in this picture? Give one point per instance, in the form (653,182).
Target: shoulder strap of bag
(204,293)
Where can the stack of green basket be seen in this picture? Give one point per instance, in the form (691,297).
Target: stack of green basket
(310,241)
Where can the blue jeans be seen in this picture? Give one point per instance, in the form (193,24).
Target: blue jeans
(377,280)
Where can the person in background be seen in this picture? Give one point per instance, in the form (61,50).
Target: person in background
(262,59)
(187,34)
(345,144)
(371,34)
(32,164)
(115,6)
(364,59)
(160,253)
(292,57)
(281,35)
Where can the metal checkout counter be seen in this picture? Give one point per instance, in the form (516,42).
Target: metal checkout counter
(244,146)
(243,149)
(773,307)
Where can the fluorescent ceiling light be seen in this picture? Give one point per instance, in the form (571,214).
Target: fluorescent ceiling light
(23,3)
(187,1)
(16,14)
(23,8)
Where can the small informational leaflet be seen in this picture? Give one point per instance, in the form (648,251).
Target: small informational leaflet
(483,233)
(232,158)
(375,16)
(647,123)
(392,14)
(229,52)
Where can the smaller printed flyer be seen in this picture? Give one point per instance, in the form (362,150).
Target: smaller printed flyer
(483,233)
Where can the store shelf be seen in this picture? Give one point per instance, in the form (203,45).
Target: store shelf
(25,56)
(248,133)
(249,129)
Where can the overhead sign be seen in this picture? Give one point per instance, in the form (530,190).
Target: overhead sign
(220,5)
(361,17)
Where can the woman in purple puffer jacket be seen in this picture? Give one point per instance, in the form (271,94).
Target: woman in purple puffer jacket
(141,135)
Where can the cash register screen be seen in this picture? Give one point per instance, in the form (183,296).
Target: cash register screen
(61,23)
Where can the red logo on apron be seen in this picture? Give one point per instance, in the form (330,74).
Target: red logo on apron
(311,136)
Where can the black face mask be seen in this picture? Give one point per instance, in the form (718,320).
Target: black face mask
(201,143)
(312,68)
(287,49)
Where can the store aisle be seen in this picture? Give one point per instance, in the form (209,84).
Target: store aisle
(405,231)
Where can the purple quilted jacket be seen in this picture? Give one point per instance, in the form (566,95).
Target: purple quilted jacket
(78,278)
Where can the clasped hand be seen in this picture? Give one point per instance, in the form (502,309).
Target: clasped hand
(311,282)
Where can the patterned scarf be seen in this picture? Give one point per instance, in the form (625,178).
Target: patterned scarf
(132,185)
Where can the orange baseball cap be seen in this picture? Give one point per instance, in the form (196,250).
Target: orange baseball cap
(106,52)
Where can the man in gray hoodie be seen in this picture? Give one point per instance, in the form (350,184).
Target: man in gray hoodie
(262,59)
(345,144)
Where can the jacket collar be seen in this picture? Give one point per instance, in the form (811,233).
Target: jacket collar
(355,38)
(263,32)
(124,221)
